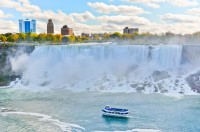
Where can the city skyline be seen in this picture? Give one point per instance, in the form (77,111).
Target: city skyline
(178,16)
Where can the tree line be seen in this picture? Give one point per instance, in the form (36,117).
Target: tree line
(143,38)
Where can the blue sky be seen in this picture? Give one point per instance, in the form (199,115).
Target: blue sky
(156,16)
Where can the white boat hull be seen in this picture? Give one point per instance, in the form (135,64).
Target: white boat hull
(115,115)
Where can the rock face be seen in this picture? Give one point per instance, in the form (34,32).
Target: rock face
(194,81)
(6,74)
(160,75)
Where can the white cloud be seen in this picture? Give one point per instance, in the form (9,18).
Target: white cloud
(194,11)
(120,9)
(83,17)
(180,18)
(180,28)
(59,17)
(25,1)
(156,3)
(9,4)
(184,3)
(28,8)
(124,20)
(150,3)
(21,5)
(3,15)
(8,26)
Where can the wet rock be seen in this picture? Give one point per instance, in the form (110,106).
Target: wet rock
(194,81)
(160,75)
(164,91)
(140,89)
(6,73)
(134,85)
(45,83)
(156,89)
(177,81)
(160,86)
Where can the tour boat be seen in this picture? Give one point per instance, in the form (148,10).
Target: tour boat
(115,112)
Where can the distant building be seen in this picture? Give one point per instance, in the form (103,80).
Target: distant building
(85,35)
(26,26)
(50,27)
(127,30)
(65,30)
(98,35)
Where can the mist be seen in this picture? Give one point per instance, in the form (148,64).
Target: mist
(106,67)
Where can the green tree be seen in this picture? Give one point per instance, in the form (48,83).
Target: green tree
(7,35)
(65,39)
(50,38)
(13,38)
(84,38)
(96,37)
(58,37)
(34,37)
(22,36)
(78,39)
(3,38)
(42,37)
(128,36)
(106,36)
(71,39)
(116,35)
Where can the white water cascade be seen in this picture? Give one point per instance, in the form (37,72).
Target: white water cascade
(114,68)
(168,56)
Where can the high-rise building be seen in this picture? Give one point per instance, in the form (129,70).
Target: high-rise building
(26,26)
(21,26)
(50,27)
(65,30)
(33,26)
(127,30)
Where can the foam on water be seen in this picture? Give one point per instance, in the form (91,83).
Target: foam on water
(46,118)
(134,130)
(116,68)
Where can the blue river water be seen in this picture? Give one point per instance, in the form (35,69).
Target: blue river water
(64,88)
(62,110)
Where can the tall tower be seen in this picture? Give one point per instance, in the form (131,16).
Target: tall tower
(27,26)
(50,27)
(33,24)
(21,25)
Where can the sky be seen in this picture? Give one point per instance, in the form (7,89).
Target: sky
(99,16)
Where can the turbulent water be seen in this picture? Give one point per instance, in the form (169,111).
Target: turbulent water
(60,110)
(64,88)
(107,67)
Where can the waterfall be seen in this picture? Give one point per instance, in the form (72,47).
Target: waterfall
(167,56)
(108,67)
